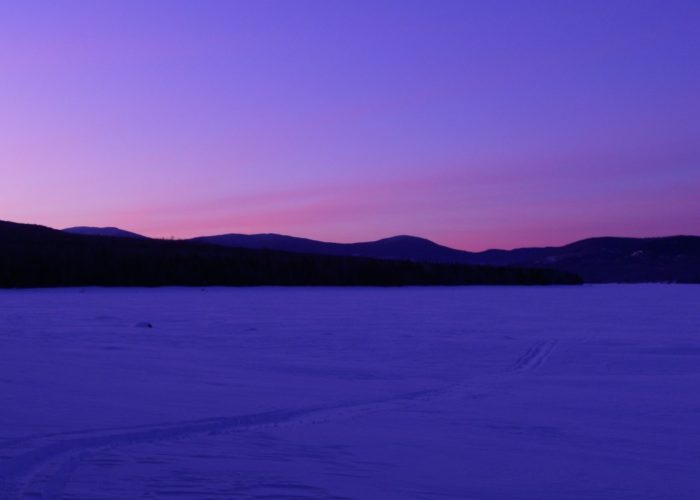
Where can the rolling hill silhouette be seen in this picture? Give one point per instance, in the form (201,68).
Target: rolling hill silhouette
(102,231)
(37,256)
(596,260)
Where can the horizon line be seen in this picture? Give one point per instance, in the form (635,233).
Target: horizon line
(524,246)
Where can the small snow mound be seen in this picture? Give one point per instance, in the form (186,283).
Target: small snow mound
(143,324)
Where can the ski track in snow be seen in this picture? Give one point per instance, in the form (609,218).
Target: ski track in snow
(58,455)
(392,394)
(535,356)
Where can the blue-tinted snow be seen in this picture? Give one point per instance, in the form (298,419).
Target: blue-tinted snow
(485,393)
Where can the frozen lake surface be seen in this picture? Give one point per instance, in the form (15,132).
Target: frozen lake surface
(433,393)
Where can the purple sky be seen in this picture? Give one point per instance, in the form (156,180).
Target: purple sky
(474,123)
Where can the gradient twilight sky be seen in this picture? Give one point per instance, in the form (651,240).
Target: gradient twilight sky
(474,123)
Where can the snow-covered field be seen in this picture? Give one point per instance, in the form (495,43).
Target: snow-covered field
(433,393)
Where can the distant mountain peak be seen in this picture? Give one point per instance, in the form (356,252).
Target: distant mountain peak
(406,237)
(114,232)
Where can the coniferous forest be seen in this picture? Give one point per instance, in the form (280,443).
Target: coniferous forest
(37,256)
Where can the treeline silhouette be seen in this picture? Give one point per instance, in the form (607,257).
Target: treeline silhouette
(37,256)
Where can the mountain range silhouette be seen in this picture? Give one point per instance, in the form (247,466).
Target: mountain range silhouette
(596,260)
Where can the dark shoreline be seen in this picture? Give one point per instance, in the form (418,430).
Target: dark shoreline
(40,257)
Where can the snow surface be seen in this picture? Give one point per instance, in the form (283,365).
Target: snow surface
(397,393)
